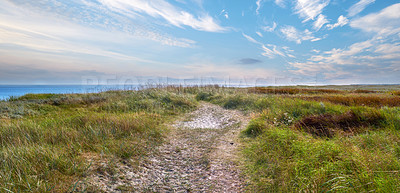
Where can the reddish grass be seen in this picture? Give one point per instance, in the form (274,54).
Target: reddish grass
(327,125)
(291,91)
(363,91)
(357,100)
(396,92)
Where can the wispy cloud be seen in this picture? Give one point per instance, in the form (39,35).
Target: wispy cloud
(43,38)
(310,9)
(224,13)
(383,23)
(270,50)
(359,7)
(250,39)
(78,15)
(292,34)
(259,34)
(341,21)
(380,54)
(315,51)
(280,3)
(165,10)
(321,21)
(270,28)
(259,4)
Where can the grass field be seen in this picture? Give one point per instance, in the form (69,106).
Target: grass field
(300,139)
(46,139)
(319,139)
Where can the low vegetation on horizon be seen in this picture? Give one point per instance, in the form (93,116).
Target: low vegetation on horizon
(299,139)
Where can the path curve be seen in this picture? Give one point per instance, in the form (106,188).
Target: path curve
(199,155)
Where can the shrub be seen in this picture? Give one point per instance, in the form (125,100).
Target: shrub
(204,96)
(255,127)
(233,102)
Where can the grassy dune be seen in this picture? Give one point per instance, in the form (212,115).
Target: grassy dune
(300,139)
(46,140)
(318,140)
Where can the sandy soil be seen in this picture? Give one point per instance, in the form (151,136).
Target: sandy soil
(199,155)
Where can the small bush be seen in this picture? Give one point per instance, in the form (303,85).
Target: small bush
(36,96)
(204,96)
(255,127)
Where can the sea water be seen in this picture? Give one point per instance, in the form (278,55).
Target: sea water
(7,91)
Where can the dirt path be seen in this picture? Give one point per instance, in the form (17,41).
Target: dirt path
(200,155)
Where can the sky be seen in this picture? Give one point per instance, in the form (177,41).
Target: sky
(250,41)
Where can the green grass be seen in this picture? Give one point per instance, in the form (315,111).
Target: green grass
(300,139)
(45,140)
(297,145)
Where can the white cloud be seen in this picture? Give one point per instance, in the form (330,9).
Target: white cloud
(165,10)
(292,34)
(280,3)
(224,13)
(270,50)
(310,9)
(315,51)
(270,28)
(250,39)
(259,4)
(82,15)
(384,23)
(341,21)
(362,58)
(321,21)
(377,55)
(359,7)
(259,34)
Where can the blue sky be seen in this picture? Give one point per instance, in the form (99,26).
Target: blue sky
(269,41)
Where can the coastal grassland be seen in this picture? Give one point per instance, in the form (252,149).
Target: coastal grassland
(48,142)
(318,139)
(299,139)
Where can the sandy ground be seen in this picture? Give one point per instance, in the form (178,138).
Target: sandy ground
(200,155)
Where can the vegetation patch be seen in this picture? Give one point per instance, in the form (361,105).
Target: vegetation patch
(291,91)
(44,138)
(305,90)
(326,125)
(358,100)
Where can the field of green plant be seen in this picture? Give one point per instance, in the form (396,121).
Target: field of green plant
(46,140)
(299,139)
(318,140)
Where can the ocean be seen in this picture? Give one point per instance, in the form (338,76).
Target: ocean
(6,91)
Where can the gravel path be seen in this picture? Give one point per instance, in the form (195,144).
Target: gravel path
(200,155)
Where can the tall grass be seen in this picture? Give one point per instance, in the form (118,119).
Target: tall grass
(307,144)
(299,139)
(45,139)
(372,100)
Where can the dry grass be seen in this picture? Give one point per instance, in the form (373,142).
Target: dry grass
(310,90)
(326,125)
(290,91)
(43,138)
(371,100)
